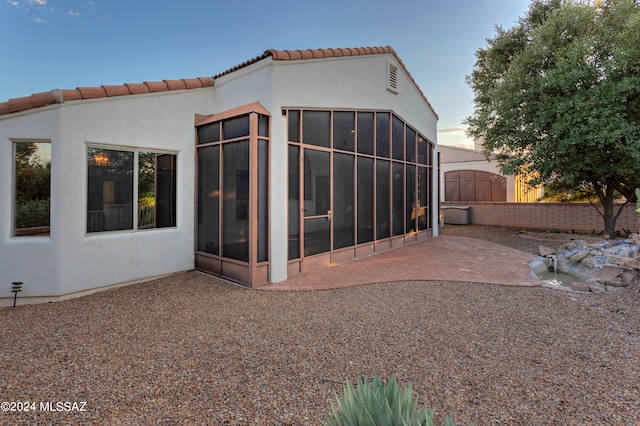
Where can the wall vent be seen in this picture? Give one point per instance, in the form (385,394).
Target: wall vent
(392,77)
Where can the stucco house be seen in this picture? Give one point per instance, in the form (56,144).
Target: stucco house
(289,162)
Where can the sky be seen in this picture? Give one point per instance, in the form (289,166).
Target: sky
(64,44)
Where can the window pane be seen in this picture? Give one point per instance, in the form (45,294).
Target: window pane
(156,190)
(316,183)
(410,200)
(398,199)
(383,225)
(209,133)
(315,128)
(235,230)
(263,200)
(365,199)
(317,238)
(343,195)
(343,130)
(294,202)
(422,150)
(263,125)
(422,197)
(411,145)
(382,135)
(209,199)
(365,133)
(397,138)
(33,188)
(235,127)
(109,190)
(294,125)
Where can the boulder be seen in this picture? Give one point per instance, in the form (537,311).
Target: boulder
(597,287)
(545,251)
(578,286)
(629,262)
(615,275)
(580,255)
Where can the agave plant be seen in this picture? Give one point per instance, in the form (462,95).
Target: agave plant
(374,404)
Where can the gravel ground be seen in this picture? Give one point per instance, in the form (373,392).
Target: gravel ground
(190,349)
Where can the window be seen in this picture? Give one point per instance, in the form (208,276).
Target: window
(32,168)
(112,176)
(355,177)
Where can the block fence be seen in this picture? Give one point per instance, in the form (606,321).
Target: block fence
(578,217)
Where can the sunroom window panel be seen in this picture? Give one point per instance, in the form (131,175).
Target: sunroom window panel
(236,127)
(423,155)
(209,199)
(293,125)
(410,199)
(423,183)
(343,201)
(316,127)
(398,199)
(410,150)
(365,133)
(382,135)
(365,199)
(209,133)
(294,202)
(344,130)
(263,200)
(383,200)
(397,138)
(235,233)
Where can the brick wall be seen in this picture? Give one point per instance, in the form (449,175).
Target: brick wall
(579,217)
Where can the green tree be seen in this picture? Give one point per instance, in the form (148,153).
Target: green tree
(558,98)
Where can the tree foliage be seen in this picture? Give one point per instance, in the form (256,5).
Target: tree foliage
(558,97)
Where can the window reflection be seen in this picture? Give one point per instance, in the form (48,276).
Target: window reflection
(32,197)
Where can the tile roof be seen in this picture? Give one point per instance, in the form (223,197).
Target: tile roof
(453,154)
(58,96)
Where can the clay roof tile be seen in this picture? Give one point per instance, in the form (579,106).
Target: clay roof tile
(175,84)
(20,104)
(70,95)
(192,83)
(91,92)
(137,88)
(156,86)
(206,81)
(116,90)
(42,99)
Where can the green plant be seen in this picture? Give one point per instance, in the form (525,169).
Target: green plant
(373,404)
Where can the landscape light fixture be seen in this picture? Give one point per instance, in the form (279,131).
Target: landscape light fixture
(16,287)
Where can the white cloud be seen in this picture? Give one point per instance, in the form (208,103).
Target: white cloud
(452,130)
(38,2)
(37,20)
(12,3)
(73,13)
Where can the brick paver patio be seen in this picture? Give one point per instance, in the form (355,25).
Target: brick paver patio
(443,258)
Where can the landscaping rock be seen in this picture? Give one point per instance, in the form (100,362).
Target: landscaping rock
(545,251)
(578,286)
(605,266)
(580,255)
